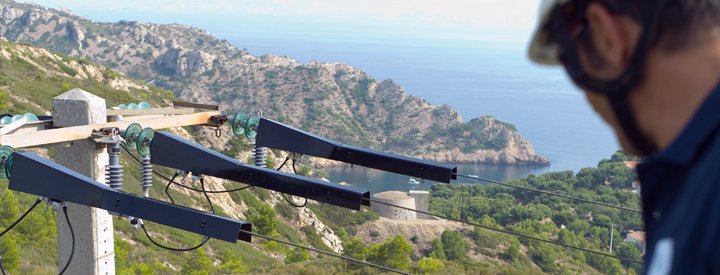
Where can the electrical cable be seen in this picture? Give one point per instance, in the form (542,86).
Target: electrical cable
(293,166)
(507,232)
(212,191)
(1,266)
(551,193)
(293,203)
(202,186)
(72,234)
(205,238)
(205,192)
(21,217)
(185,186)
(325,253)
(167,188)
(283,164)
(289,201)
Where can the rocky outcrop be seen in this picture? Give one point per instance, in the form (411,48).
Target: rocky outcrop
(306,217)
(514,150)
(75,34)
(185,62)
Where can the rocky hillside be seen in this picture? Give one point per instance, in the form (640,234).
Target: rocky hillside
(30,77)
(333,100)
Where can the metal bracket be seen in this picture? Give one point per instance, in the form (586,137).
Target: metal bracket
(108,136)
(276,135)
(36,175)
(173,151)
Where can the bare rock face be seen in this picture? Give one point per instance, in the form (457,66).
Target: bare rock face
(75,34)
(186,63)
(306,217)
(31,17)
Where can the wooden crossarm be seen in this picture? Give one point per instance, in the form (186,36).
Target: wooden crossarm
(154,111)
(67,134)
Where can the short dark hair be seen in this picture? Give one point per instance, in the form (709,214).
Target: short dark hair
(683,22)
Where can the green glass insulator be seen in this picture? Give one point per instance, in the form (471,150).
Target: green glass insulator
(144,140)
(238,124)
(144,105)
(131,136)
(251,126)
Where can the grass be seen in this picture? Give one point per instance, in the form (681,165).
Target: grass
(24,80)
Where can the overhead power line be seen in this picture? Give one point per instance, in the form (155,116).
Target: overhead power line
(326,253)
(508,232)
(552,193)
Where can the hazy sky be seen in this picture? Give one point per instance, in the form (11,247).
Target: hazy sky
(494,15)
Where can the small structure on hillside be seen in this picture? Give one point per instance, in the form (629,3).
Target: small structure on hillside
(395,198)
(415,199)
(422,198)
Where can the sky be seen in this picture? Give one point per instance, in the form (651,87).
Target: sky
(514,18)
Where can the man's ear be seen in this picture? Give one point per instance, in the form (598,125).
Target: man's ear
(609,37)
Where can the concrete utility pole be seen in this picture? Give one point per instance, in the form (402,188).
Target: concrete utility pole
(94,245)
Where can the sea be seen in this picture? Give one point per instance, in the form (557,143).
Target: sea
(476,75)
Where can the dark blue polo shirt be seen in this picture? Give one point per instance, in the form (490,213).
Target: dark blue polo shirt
(681,198)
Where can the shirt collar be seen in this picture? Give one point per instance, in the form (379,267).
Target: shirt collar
(703,123)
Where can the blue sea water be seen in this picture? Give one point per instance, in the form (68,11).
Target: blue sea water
(476,75)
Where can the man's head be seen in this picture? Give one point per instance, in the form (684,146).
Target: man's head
(608,46)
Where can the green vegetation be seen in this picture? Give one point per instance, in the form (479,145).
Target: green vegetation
(33,89)
(263,219)
(543,216)
(454,245)
(32,240)
(297,255)
(394,253)
(429,265)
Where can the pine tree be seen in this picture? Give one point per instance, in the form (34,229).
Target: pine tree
(9,253)
(10,210)
(438,250)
